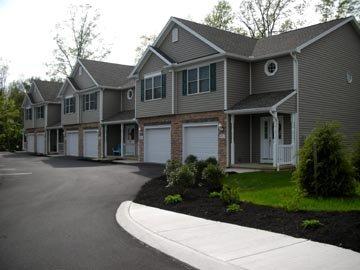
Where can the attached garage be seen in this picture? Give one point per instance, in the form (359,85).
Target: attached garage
(91,143)
(200,140)
(40,143)
(157,144)
(72,143)
(30,142)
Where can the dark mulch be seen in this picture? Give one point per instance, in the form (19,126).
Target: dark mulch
(339,228)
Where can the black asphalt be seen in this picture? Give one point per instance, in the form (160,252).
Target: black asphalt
(62,215)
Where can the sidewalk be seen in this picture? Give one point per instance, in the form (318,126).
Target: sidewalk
(206,244)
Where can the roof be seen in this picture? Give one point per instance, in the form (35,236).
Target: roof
(262,100)
(121,116)
(246,46)
(163,54)
(108,74)
(48,89)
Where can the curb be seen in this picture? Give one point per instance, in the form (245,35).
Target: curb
(171,248)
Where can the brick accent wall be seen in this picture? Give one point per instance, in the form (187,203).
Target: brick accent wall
(177,122)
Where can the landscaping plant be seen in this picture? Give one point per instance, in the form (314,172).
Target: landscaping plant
(215,194)
(199,168)
(211,160)
(173,199)
(323,168)
(190,159)
(182,178)
(232,208)
(356,158)
(212,176)
(311,223)
(230,195)
(171,166)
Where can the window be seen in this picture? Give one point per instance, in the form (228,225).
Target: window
(40,112)
(199,80)
(175,35)
(130,94)
(28,114)
(271,67)
(90,102)
(69,105)
(153,87)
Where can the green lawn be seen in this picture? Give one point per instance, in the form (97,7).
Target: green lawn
(278,190)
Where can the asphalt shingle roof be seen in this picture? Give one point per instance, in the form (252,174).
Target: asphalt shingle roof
(163,54)
(121,116)
(48,90)
(109,74)
(262,100)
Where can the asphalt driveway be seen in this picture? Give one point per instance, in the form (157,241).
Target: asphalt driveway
(59,213)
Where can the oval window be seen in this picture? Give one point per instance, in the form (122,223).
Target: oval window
(130,94)
(271,67)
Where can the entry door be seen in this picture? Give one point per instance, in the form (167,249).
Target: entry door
(129,131)
(267,137)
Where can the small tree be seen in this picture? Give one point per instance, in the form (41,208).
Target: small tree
(323,169)
(356,158)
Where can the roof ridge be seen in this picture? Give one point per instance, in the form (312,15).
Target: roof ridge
(111,63)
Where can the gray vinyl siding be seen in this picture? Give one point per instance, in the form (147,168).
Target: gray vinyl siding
(282,80)
(325,94)
(112,102)
(187,47)
(288,106)
(242,138)
(204,102)
(153,107)
(36,95)
(84,80)
(71,118)
(90,116)
(28,123)
(54,114)
(126,103)
(238,81)
(39,122)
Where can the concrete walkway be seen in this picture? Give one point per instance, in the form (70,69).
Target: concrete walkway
(206,244)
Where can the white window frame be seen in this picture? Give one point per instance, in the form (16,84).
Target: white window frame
(198,80)
(152,76)
(349,77)
(67,107)
(89,102)
(175,34)
(42,114)
(28,113)
(266,66)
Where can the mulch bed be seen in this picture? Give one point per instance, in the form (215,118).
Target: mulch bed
(339,228)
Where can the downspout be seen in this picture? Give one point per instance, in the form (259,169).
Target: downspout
(273,113)
(296,88)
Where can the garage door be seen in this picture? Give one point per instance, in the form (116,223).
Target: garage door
(72,143)
(40,143)
(200,140)
(30,142)
(91,143)
(157,144)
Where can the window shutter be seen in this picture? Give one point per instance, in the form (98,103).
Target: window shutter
(184,82)
(64,105)
(163,85)
(142,90)
(213,77)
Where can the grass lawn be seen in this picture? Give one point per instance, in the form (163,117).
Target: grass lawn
(278,190)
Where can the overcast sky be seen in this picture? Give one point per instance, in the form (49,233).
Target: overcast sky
(27,27)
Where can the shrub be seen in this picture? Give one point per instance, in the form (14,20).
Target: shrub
(190,159)
(232,208)
(214,194)
(356,159)
(212,176)
(230,195)
(211,160)
(311,223)
(323,169)
(183,177)
(199,168)
(173,199)
(171,165)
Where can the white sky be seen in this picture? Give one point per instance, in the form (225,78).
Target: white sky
(27,27)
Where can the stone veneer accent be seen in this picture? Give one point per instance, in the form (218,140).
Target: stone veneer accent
(176,122)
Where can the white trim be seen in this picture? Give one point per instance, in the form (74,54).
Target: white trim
(274,107)
(152,74)
(157,126)
(101,104)
(173,92)
(225,85)
(119,122)
(246,111)
(122,140)
(251,139)
(200,124)
(266,67)
(250,79)
(199,61)
(160,56)
(232,139)
(66,82)
(128,92)
(296,86)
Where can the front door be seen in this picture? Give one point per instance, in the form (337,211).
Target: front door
(129,140)
(267,137)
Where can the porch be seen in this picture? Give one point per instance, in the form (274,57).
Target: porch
(263,131)
(121,136)
(55,139)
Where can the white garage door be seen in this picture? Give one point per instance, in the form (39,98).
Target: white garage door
(200,140)
(91,143)
(30,142)
(40,143)
(157,144)
(72,143)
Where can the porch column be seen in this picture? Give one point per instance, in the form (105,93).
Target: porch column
(122,140)
(232,140)
(293,138)
(106,138)
(57,140)
(276,139)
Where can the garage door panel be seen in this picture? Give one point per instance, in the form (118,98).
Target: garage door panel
(30,143)
(40,143)
(201,141)
(72,144)
(91,144)
(157,146)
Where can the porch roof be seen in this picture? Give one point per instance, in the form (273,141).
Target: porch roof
(54,126)
(263,102)
(124,116)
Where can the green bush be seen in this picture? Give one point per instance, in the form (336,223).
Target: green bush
(190,159)
(199,168)
(214,194)
(356,158)
(230,195)
(182,178)
(323,169)
(173,199)
(171,165)
(212,176)
(311,223)
(211,160)
(233,208)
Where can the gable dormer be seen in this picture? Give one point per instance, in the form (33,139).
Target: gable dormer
(35,93)
(81,77)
